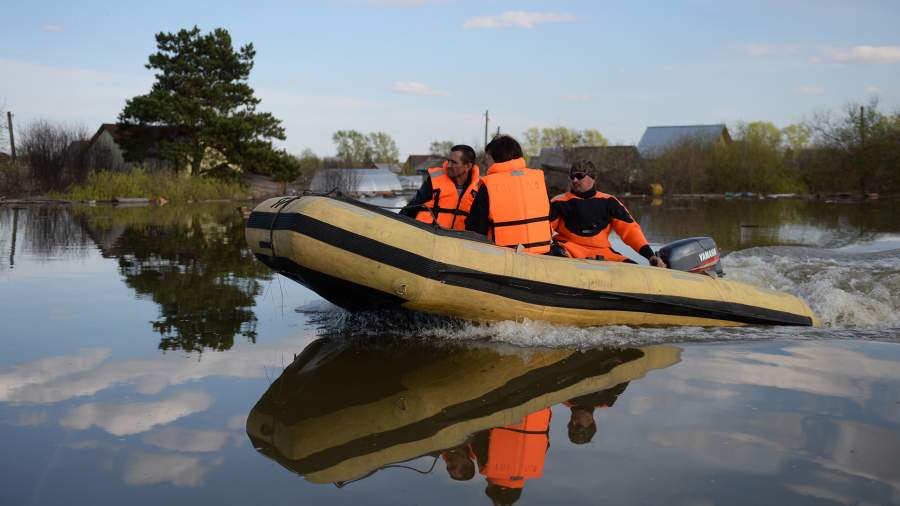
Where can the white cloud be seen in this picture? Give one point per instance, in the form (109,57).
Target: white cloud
(874,90)
(521,19)
(757,50)
(811,90)
(136,417)
(577,98)
(187,440)
(51,28)
(150,468)
(875,55)
(416,88)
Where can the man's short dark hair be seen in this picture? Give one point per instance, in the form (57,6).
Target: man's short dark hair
(468,154)
(503,149)
(585,166)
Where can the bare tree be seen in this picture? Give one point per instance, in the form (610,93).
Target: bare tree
(344,181)
(56,154)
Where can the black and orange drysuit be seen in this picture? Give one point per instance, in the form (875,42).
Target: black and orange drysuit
(439,199)
(583,221)
(511,207)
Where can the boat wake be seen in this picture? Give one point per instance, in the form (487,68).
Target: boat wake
(854,290)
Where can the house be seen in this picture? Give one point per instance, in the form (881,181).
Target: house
(617,166)
(356,181)
(105,150)
(419,164)
(657,139)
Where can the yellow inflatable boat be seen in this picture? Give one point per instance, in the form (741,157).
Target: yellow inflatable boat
(320,421)
(359,256)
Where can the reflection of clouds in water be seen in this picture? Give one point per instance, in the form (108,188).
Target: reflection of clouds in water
(45,370)
(187,440)
(846,453)
(733,451)
(133,418)
(866,451)
(822,370)
(83,374)
(237,422)
(150,469)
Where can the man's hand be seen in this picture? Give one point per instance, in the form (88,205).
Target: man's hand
(657,262)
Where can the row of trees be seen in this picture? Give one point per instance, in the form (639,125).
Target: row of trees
(855,150)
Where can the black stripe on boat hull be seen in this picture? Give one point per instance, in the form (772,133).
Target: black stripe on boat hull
(529,291)
(340,292)
(551,378)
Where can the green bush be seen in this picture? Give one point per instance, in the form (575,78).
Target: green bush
(140,183)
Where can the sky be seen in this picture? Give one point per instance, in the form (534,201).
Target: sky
(425,70)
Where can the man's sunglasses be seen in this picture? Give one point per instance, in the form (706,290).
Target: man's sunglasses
(577,176)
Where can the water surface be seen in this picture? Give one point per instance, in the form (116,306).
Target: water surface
(146,357)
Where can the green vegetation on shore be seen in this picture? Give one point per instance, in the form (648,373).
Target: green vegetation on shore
(142,183)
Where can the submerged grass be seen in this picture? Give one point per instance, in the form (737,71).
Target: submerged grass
(140,183)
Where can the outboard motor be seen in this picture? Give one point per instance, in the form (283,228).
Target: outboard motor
(696,254)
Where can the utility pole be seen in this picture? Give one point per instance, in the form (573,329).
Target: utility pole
(486,119)
(12,248)
(863,177)
(12,139)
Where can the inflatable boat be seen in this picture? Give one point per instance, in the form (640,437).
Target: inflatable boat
(360,257)
(320,421)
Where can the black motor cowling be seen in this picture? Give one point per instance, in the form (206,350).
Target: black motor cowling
(696,254)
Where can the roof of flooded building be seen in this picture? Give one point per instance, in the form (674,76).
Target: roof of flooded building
(355,180)
(393,167)
(657,139)
(604,157)
(421,163)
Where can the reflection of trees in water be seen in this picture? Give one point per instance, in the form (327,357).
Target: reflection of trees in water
(193,262)
(43,232)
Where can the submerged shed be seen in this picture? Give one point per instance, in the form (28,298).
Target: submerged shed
(657,139)
(358,181)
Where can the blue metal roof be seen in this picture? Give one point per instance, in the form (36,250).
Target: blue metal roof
(657,139)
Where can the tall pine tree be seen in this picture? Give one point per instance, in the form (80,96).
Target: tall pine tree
(202,97)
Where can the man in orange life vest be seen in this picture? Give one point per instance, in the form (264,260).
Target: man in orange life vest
(583,218)
(507,456)
(511,206)
(447,193)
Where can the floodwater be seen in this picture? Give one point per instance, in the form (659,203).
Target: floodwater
(147,358)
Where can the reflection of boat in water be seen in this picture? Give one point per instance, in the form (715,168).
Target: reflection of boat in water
(361,257)
(341,411)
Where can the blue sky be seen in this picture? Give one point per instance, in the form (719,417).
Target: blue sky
(426,70)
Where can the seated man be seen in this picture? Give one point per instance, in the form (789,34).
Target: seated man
(447,193)
(583,218)
(511,206)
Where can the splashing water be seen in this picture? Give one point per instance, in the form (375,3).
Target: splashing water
(854,292)
(845,290)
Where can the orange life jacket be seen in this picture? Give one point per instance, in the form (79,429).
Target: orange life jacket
(516,452)
(591,246)
(450,207)
(519,211)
